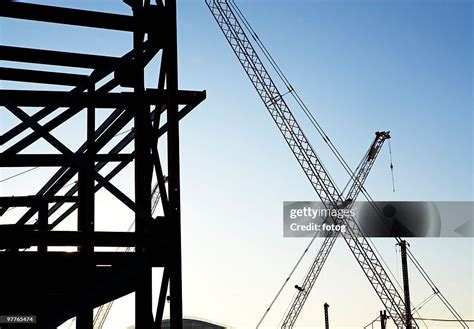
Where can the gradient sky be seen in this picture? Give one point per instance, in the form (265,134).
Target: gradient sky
(360,66)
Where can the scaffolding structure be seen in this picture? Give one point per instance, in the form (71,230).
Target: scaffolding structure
(55,285)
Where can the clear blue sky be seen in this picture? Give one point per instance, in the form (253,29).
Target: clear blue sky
(361,66)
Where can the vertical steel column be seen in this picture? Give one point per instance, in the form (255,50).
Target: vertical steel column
(91,151)
(86,206)
(176,308)
(43,223)
(406,288)
(86,181)
(326,315)
(143,170)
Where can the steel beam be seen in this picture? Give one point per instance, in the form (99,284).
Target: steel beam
(174,195)
(55,160)
(143,175)
(86,213)
(51,57)
(37,98)
(100,258)
(67,16)
(54,78)
(10,238)
(33,200)
(43,225)
(162,298)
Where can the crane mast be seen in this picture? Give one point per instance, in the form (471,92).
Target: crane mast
(306,157)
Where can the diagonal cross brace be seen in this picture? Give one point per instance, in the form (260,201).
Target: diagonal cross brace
(95,77)
(75,160)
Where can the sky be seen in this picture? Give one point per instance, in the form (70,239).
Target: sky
(361,66)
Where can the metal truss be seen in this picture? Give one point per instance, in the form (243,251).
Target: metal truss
(309,162)
(55,285)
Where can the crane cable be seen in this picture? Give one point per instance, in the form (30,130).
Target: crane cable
(294,93)
(291,91)
(371,324)
(286,280)
(335,151)
(437,291)
(18,174)
(443,320)
(391,163)
(424,302)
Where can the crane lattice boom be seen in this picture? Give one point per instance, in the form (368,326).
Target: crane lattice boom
(307,158)
(316,266)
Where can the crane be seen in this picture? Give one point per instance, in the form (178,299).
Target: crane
(309,161)
(304,289)
(316,266)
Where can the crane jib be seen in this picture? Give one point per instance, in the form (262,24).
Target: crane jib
(308,160)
